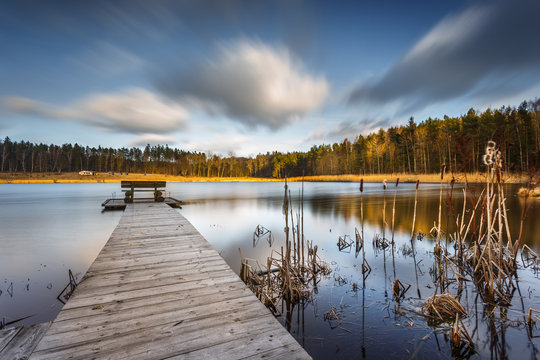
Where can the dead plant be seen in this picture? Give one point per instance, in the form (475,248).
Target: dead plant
(443,307)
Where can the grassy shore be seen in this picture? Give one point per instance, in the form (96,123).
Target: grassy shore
(424,178)
(33,178)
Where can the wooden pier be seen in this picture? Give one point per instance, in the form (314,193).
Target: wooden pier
(17,343)
(159,290)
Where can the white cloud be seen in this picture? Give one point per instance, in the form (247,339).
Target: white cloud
(252,83)
(133,110)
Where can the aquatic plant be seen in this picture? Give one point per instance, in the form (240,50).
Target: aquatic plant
(289,275)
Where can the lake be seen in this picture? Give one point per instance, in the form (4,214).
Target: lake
(47,229)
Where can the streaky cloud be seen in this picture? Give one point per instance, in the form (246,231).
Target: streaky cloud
(348,129)
(462,55)
(134,110)
(250,82)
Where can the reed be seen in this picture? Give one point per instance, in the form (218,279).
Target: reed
(484,252)
(288,276)
(399,290)
(344,242)
(394,209)
(533,318)
(443,307)
(461,341)
(414,212)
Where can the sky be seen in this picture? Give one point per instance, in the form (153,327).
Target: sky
(248,77)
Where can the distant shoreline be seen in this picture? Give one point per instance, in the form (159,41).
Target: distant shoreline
(70,178)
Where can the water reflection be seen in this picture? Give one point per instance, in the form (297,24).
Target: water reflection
(45,230)
(372,324)
(50,228)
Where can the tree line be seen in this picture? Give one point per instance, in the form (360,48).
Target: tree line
(457,142)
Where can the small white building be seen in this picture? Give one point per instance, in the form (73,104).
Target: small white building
(86,173)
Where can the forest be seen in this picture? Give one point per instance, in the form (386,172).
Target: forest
(457,142)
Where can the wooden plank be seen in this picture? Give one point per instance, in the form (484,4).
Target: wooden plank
(159,290)
(181,295)
(112,347)
(192,262)
(148,250)
(249,346)
(107,323)
(102,286)
(174,346)
(123,240)
(105,262)
(287,352)
(93,280)
(6,335)
(127,245)
(24,342)
(125,295)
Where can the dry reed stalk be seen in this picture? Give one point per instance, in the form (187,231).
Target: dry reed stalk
(394,209)
(380,242)
(509,237)
(344,242)
(242,268)
(362,204)
(302,206)
(490,257)
(366,269)
(460,336)
(533,318)
(473,214)
(359,240)
(293,237)
(286,214)
(362,210)
(443,306)
(443,167)
(399,290)
(334,315)
(530,185)
(286,277)
(531,258)
(384,220)
(414,213)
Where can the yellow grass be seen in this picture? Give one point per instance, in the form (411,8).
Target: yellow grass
(69,178)
(33,178)
(404,177)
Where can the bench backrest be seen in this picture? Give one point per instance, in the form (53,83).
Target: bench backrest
(143,184)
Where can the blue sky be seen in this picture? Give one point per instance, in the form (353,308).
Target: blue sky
(247,77)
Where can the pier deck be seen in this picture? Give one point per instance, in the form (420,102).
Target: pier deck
(17,343)
(159,290)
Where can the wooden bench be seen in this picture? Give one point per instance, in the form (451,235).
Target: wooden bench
(129,187)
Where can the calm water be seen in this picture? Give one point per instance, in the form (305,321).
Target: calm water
(46,229)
